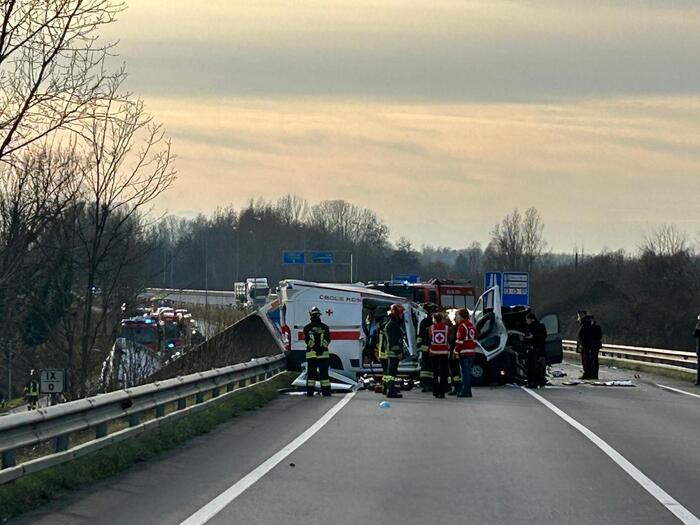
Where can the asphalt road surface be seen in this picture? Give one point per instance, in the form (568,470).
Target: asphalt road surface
(502,457)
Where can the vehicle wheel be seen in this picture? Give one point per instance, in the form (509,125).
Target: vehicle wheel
(480,373)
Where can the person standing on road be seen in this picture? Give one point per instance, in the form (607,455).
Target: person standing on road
(596,345)
(439,354)
(31,391)
(536,337)
(454,378)
(423,341)
(584,341)
(394,335)
(465,349)
(318,338)
(697,350)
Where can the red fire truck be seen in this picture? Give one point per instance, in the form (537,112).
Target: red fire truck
(144,330)
(447,293)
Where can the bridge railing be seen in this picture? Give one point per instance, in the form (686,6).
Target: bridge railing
(671,358)
(44,435)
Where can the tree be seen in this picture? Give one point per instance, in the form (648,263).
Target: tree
(666,240)
(52,68)
(127,163)
(517,241)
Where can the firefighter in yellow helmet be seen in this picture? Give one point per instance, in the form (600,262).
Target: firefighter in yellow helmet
(318,338)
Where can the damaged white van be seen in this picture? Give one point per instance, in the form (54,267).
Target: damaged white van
(500,356)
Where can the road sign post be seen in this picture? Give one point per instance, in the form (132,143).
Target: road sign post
(514,286)
(52,381)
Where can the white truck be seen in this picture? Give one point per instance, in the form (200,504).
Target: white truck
(257,291)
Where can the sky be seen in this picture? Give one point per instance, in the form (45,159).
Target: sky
(440,115)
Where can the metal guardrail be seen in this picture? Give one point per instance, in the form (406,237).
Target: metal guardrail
(673,358)
(55,425)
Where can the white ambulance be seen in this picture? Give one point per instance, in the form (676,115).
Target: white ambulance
(344,309)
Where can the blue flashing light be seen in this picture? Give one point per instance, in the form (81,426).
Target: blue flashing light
(171,345)
(149,321)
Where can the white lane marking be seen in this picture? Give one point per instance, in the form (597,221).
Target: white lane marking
(215,506)
(652,488)
(678,390)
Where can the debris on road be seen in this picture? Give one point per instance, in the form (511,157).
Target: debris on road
(558,374)
(572,383)
(617,382)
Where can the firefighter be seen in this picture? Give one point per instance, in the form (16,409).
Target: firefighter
(394,336)
(31,391)
(318,337)
(465,348)
(382,346)
(439,354)
(423,340)
(536,337)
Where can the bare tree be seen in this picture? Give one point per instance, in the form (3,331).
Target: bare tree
(666,240)
(292,209)
(517,241)
(52,67)
(127,165)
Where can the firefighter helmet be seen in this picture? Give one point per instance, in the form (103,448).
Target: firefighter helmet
(315,312)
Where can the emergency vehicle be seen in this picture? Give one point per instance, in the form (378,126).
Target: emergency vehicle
(344,309)
(446,293)
(144,330)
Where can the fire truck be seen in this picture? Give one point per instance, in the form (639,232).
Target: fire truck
(446,293)
(144,330)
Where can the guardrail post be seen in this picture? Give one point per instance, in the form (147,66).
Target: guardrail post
(230,387)
(215,392)
(101,431)
(134,420)
(9,458)
(199,398)
(62,443)
(182,403)
(160,411)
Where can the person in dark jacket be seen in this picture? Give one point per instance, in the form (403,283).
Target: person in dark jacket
(596,345)
(394,335)
(585,344)
(697,350)
(318,338)
(536,337)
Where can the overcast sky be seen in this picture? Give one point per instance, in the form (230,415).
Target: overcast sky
(441,115)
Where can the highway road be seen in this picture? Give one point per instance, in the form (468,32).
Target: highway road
(503,457)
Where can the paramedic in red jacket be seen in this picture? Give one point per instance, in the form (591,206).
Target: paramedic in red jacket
(465,347)
(438,335)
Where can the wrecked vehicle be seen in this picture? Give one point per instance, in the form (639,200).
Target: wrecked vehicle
(500,356)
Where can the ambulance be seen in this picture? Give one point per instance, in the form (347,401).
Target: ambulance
(344,308)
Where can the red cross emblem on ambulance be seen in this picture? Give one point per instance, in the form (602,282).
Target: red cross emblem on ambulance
(329,312)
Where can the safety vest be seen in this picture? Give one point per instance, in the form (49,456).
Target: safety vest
(33,388)
(382,343)
(439,340)
(465,345)
(317,341)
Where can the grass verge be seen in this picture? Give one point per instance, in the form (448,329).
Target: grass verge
(35,490)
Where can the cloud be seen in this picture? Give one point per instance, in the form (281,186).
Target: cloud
(427,51)
(599,171)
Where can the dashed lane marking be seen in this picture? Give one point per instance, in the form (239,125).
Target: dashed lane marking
(224,499)
(663,497)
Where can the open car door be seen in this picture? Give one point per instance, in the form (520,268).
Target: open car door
(553,345)
(488,319)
